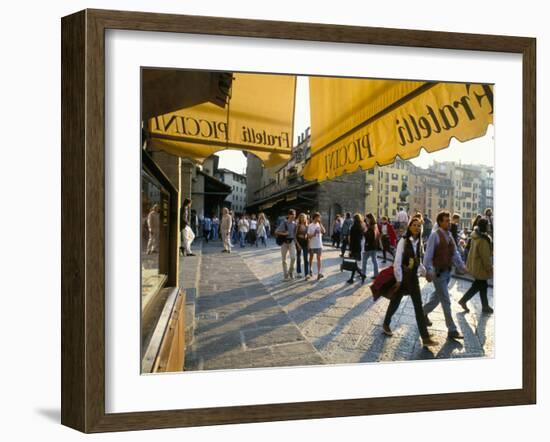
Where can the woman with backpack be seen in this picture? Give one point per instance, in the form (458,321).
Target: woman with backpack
(479,265)
(408,259)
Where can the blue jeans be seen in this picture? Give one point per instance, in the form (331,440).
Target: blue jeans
(215,232)
(441,296)
(304,254)
(372,255)
(242,237)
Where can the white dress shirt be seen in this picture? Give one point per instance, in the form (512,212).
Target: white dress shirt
(397,270)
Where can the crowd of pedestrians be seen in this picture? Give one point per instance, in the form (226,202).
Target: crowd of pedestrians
(419,249)
(243,230)
(417,246)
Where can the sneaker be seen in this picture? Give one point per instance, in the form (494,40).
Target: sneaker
(428,322)
(387,330)
(454,335)
(428,342)
(487,310)
(299,276)
(464,306)
(350,281)
(307,278)
(319,276)
(286,278)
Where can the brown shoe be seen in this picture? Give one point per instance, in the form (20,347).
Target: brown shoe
(454,335)
(428,342)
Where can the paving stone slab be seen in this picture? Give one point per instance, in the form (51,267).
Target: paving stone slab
(266,336)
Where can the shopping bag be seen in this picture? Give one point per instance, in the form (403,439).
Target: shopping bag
(383,284)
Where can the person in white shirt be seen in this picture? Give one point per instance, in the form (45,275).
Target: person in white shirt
(187,237)
(315,232)
(252,229)
(408,261)
(261,233)
(226,226)
(403,220)
(243,230)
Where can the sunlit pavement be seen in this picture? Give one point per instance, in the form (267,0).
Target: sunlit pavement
(247,316)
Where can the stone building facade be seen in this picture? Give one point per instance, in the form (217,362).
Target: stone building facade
(463,189)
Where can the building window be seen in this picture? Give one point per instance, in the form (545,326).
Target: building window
(394,188)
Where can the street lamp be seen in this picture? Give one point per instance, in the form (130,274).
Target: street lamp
(368,190)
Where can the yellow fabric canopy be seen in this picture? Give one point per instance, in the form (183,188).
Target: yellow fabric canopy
(259,118)
(360,123)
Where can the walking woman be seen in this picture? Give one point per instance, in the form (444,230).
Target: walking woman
(408,258)
(252,230)
(315,232)
(479,265)
(261,231)
(356,233)
(302,246)
(388,238)
(371,244)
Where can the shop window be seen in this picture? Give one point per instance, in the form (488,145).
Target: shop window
(155,214)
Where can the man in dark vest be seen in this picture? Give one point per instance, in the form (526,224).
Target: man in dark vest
(441,254)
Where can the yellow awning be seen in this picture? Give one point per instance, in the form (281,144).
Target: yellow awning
(360,123)
(259,118)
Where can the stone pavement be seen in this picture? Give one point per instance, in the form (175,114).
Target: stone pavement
(247,316)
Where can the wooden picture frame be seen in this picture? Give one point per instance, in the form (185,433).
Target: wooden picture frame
(83,210)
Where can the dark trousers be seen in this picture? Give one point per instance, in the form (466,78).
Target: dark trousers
(416,299)
(384,254)
(479,285)
(206,234)
(386,247)
(344,244)
(302,252)
(358,270)
(336,239)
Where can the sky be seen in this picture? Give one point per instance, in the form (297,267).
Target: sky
(477,151)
